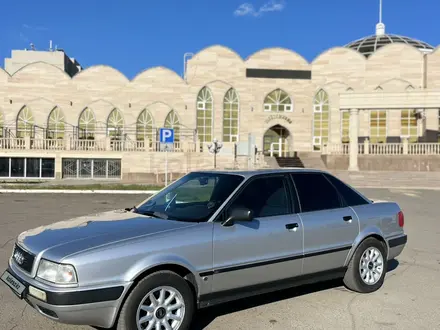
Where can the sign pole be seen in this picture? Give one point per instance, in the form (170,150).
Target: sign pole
(166,166)
(166,141)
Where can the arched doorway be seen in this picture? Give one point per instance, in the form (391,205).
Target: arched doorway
(276,141)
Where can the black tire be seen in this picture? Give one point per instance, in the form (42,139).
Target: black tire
(128,315)
(353,279)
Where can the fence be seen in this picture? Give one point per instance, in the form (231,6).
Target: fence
(386,149)
(106,144)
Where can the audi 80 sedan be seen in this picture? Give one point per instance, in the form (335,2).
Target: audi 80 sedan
(208,238)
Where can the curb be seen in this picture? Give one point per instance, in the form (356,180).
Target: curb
(152,192)
(76,191)
(397,187)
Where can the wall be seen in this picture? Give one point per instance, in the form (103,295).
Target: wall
(141,166)
(395,67)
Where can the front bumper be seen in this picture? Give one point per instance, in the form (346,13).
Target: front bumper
(94,307)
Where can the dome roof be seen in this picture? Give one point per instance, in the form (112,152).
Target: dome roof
(368,45)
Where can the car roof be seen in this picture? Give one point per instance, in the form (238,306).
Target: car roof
(250,173)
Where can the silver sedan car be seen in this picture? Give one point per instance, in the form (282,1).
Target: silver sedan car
(208,238)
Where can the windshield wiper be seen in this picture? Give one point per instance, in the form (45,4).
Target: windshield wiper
(153,214)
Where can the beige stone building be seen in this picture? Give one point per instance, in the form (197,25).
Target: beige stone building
(348,108)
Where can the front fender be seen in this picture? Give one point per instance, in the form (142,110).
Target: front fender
(366,232)
(155,260)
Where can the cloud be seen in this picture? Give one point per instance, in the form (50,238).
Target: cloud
(36,28)
(248,9)
(29,32)
(245,9)
(272,6)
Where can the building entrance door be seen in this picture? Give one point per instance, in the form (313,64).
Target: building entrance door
(276,141)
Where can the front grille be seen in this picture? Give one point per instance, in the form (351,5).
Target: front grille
(23,259)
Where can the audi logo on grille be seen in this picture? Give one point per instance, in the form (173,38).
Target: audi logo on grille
(19,257)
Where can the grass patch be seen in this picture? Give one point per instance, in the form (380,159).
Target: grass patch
(98,186)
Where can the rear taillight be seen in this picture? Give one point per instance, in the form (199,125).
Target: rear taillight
(401,219)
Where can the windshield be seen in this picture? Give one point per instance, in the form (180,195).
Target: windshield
(195,197)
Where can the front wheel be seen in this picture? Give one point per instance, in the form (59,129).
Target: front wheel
(160,301)
(367,268)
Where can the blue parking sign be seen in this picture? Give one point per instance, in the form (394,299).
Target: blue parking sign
(166,135)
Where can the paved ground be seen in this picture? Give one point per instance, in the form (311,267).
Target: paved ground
(409,299)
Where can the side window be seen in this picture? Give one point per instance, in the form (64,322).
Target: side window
(266,197)
(351,197)
(315,192)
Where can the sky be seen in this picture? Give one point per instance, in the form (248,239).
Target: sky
(134,35)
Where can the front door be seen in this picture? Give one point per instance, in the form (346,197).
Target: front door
(329,228)
(267,249)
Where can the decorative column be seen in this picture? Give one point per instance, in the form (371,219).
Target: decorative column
(405,146)
(67,141)
(366,146)
(354,128)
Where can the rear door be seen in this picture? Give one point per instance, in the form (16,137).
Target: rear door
(330,227)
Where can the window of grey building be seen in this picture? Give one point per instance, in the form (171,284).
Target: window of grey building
(33,168)
(88,168)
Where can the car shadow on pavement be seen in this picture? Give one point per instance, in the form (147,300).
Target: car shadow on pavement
(206,316)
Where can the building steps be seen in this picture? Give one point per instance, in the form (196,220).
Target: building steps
(289,162)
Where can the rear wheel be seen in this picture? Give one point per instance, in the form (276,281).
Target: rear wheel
(368,266)
(160,301)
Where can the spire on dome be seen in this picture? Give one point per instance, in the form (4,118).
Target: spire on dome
(380,27)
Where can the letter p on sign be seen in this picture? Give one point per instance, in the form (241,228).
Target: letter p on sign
(166,135)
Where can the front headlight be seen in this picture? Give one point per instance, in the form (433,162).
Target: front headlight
(56,273)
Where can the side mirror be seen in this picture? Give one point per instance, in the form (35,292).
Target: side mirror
(238,214)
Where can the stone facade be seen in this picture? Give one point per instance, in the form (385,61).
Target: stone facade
(338,77)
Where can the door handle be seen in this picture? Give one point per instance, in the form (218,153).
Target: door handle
(347,218)
(292,226)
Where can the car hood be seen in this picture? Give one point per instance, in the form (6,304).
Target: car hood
(63,238)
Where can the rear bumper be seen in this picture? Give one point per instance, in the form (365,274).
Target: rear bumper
(396,246)
(94,307)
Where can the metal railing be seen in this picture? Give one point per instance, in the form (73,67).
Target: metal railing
(105,144)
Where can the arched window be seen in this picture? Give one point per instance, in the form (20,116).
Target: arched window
(172,121)
(278,101)
(25,123)
(321,112)
(1,124)
(378,126)
(87,124)
(115,124)
(408,125)
(144,126)
(55,124)
(204,115)
(230,116)
(345,126)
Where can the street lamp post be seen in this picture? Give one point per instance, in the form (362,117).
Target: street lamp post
(215,148)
